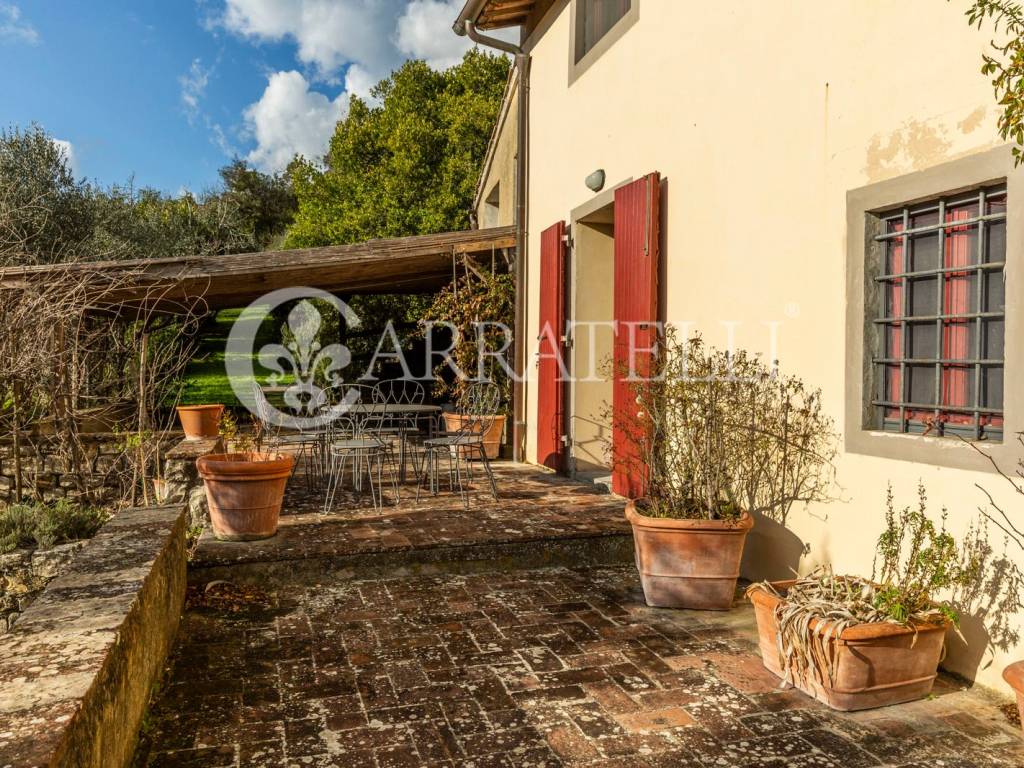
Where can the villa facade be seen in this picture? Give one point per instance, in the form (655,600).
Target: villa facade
(839,202)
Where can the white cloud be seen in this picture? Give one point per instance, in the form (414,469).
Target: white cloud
(424,31)
(330,34)
(69,154)
(354,43)
(193,87)
(14,27)
(291,119)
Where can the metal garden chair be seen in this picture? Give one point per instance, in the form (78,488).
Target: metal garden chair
(357,443)
(306,443)
(478,406)
(404,426)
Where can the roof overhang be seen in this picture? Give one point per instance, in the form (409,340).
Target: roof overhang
(494,14)
(419,264)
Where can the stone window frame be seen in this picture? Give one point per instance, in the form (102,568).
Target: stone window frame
(995,166)
(623,25)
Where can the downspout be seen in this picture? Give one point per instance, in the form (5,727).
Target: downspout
(522,59)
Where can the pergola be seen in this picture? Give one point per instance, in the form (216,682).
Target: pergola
(418,264)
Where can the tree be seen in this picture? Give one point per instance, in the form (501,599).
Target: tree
(147,224)
(265,202)
(47,216)
(43,209)
(406,164)
(1006,66)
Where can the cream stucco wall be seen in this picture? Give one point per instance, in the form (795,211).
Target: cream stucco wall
(500,165)
(760,117)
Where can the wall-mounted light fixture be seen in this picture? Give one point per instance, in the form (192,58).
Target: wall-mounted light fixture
(595,181)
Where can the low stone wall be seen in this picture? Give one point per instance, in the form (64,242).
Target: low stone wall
(181,477)
(44,470)
(24,574)
(76,671)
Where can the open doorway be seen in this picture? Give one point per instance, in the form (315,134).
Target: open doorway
(592,300)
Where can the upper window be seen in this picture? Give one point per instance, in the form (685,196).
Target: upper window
(594,19)
(939,315)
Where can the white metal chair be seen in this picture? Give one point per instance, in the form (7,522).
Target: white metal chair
(306,444)
(478,406)
(404,426)
(355,443)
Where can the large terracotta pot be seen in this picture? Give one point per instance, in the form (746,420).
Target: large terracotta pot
(200,421)
(876,664)
(688,563)
(244,491)
(1014,675)
(453,422)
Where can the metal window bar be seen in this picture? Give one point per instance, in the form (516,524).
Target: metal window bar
(989,266)
(933,227)
(979,258)
(933,318)
(940,304)
(938,360)
(908,272)
(904,336)
(929,406)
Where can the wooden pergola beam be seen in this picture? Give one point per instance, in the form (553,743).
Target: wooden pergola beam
(416,264)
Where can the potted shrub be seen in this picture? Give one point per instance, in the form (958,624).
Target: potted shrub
(717,437)
(857,643)
(200,421)
(244,489)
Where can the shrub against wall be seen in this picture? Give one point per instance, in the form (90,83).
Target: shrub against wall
(718,433)
(28,526)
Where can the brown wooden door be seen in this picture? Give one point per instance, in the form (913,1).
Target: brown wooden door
(551,446)
(636,315)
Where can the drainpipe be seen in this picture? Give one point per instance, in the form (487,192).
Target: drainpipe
(468,28)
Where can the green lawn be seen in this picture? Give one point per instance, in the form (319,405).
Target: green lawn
(206,380)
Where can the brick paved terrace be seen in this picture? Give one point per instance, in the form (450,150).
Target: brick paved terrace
(539,518)
(510,634)
(528,668)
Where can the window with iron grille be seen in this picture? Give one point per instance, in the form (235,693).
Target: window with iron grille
(939,316)
(594,19)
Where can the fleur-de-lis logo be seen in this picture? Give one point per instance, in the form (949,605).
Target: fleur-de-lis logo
(306,360)
(302,370)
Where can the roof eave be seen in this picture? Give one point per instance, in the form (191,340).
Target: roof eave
(470,12)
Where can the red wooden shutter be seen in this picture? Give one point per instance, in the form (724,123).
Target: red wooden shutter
(636,315)
(550,361)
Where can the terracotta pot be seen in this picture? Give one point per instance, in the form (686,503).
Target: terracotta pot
(688,563)
(876,664)
(244,491)
(1014,675)
(453,422)
(200,421)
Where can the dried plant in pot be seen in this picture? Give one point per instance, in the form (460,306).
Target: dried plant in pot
(244,489)
(857,643)
(715,437)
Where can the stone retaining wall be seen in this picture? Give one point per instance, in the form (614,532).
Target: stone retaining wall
(181,476)
(76,671)
(24,573)
(45,470)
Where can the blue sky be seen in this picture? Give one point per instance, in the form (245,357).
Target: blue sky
(168,90)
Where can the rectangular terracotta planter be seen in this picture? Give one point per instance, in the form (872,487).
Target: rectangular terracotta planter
(877,664)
